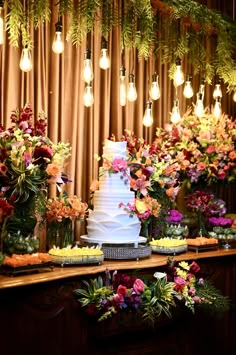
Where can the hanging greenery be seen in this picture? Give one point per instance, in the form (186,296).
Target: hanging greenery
(167,29)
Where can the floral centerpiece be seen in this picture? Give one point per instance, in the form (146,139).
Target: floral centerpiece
(173,227)
(29,163)
(223,230)
(181,283)
(205,205)
(60,214)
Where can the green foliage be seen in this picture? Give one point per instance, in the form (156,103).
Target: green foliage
(213,296)
(166,37)
(14,21)
(40,12)
(160,301)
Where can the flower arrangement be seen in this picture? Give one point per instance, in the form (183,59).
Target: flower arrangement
(59,214)
(145,208)
(196,150)
(200,149)
(181,283)
(29,163)
(28,159)
(206,205)
(64,207)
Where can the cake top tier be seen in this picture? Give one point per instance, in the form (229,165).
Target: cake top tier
(115,149)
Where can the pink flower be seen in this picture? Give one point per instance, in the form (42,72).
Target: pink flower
(138,286)
(210,149)
(118,298)
(179,283)
(194,267)
(221,174)
(141,184)
(119,164)
(192,291)
(201,166)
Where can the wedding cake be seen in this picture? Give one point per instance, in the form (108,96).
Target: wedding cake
(110,221)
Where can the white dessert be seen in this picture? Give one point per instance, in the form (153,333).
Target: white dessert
(109,222)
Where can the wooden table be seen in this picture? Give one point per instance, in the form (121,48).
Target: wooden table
(40,316)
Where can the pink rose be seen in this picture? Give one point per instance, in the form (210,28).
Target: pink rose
(138,286)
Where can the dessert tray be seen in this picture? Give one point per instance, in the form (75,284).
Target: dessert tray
(26,263)
(77,255)
(202,244)
(27,269)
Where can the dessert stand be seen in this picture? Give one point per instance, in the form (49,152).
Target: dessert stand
(116,250)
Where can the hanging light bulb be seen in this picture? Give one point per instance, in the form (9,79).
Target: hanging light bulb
(148,118)
(202,89)
(175,114)
(25,60)
(217,108)
(88,67)
(104,61)
(234,96)
(1,23)
(154,91)
(132,92)
(88,98)
(58,44)
(217,91)
(188,89)
(199,107)
(122,87)
(178,75)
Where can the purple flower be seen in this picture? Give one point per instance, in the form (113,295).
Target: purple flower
(174,216)
(221,221)
(201,281)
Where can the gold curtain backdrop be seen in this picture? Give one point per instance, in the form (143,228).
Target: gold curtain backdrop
(55,86)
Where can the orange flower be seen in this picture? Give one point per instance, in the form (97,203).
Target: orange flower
(94,186)
(53,169)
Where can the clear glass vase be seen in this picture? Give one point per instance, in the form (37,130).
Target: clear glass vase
(60,234)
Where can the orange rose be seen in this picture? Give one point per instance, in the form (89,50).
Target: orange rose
(53,169)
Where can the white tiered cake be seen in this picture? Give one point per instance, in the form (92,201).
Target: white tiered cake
(109,221)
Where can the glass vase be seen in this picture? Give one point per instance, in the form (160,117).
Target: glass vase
(60,234)
(203,232)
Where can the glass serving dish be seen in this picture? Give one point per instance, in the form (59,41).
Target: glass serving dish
(169,250)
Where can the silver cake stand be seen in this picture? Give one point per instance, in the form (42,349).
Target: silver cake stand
(129,250)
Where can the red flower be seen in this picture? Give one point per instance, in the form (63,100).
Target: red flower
(122,290)
(92,309)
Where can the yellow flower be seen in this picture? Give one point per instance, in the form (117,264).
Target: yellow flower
(140,206)
(184,265)
(181,273)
